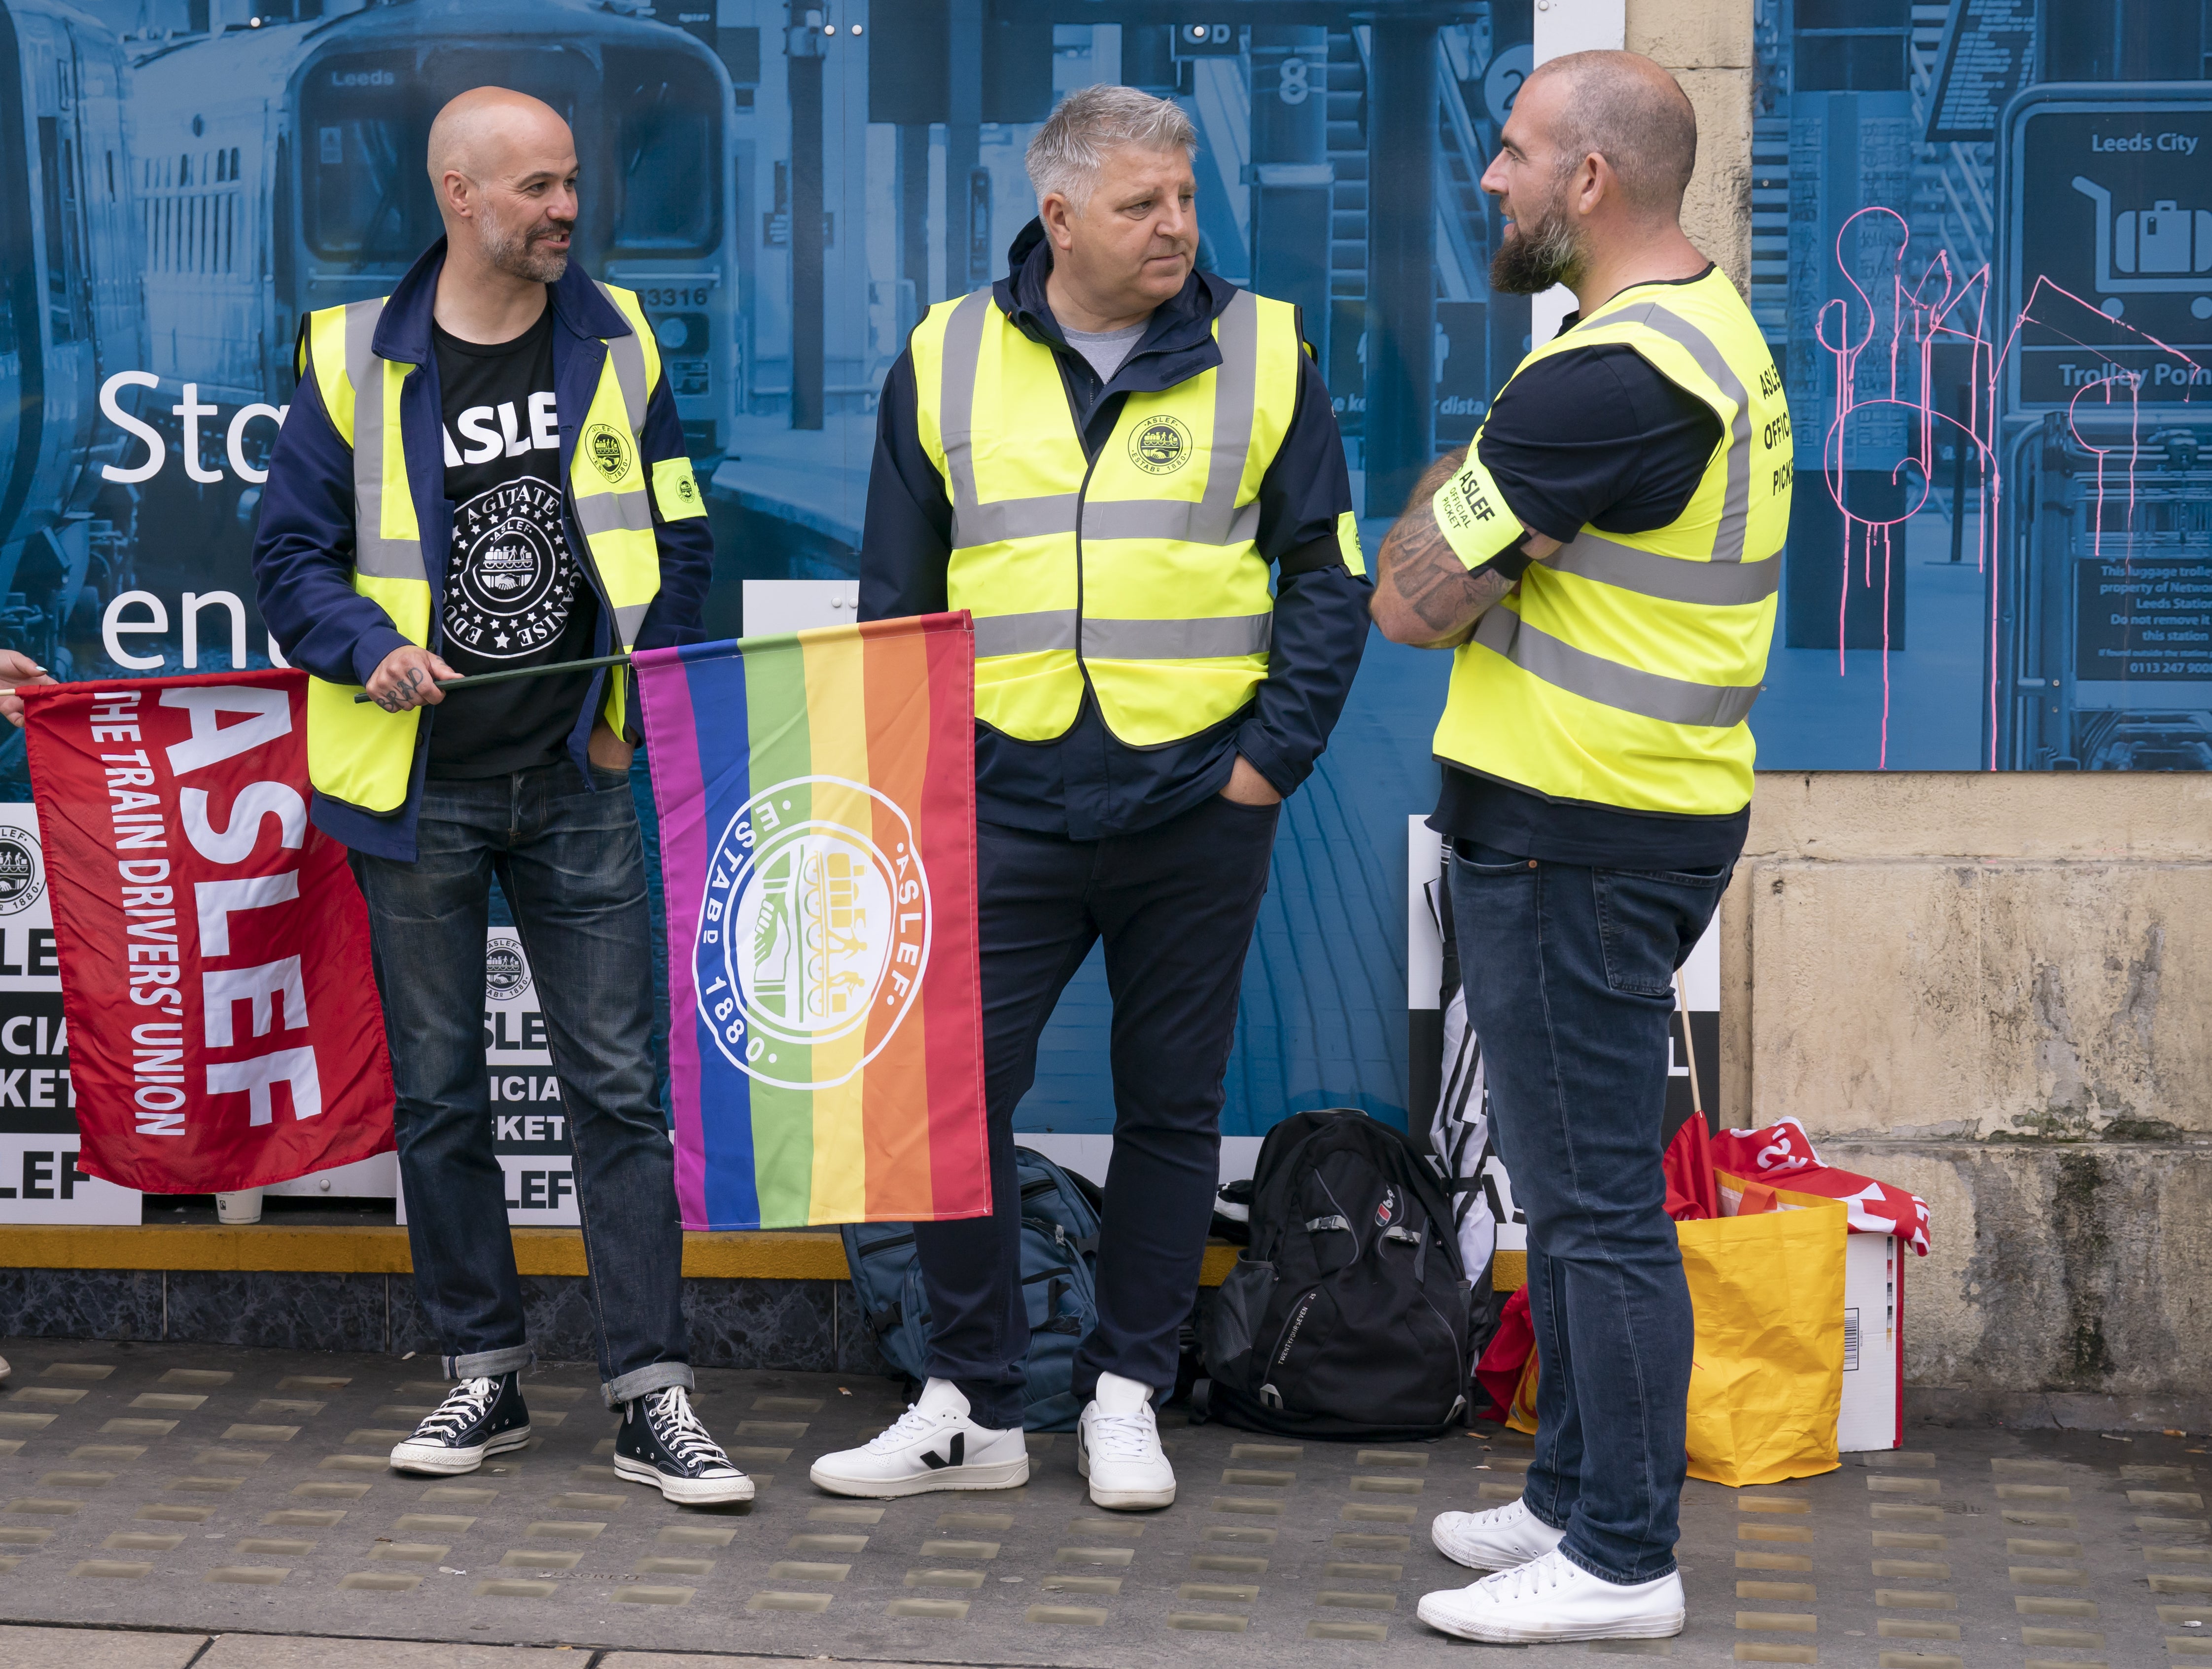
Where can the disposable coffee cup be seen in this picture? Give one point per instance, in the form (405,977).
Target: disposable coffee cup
(243,1207)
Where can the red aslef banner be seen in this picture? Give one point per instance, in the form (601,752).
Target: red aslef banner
(223,1026)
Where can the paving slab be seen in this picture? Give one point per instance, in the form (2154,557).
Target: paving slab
(83,1649)
(232,1492)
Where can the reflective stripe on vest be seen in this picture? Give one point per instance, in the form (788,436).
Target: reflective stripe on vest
(362,755)
(1158,677)
(1622,671)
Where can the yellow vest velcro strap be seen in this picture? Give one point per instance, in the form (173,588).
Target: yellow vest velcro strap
(1051,516)
(1593,678)
(1025,634)
(1736,497)
(1177,640)
(614,512)
(1652,575)
(1213,522)
(676,490)
(1471,514)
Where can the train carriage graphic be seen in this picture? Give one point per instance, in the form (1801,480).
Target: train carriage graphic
(281,170)
(69,313)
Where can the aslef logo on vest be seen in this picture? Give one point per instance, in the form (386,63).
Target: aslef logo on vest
(22,870)
(813,933)
(608,448)
(1160,446)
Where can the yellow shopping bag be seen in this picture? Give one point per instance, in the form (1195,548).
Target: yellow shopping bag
(1767,1380)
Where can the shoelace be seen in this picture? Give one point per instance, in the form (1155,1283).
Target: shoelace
(1526,1581)
(1124,1436)
(680,1433)
(465,1404)
(901,1431)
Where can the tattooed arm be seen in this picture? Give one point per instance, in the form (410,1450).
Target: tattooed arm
(1425,595)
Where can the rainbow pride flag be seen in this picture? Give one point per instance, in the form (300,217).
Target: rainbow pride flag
(817,838)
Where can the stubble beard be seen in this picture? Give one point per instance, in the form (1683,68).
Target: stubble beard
(1531,260)
(520,254)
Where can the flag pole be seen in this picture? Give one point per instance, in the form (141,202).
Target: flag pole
(475,679)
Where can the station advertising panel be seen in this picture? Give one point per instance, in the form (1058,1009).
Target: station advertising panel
(1982,254)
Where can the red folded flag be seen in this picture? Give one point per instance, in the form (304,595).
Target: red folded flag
(223,1027)
(1777,1167)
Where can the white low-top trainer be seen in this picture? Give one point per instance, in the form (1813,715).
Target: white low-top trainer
(932,1446)
(1117,1447)
(1498,1539)
(1555,1598)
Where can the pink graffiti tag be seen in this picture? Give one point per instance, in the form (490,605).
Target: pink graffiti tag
(1903,329)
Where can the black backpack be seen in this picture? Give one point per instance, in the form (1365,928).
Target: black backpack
(1348,1315)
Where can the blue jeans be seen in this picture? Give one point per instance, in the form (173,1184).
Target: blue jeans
(1570,982)
(568,856)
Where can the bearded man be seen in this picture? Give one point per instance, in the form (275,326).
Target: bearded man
(1602,564)
(484,471)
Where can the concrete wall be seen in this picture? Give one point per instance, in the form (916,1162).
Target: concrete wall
(1991,989)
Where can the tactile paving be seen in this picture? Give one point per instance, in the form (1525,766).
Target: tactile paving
(184,1487)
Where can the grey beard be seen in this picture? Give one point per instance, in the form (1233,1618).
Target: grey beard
(519,258)
(1528,264)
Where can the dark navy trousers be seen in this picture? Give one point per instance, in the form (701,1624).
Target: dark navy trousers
(1175,905)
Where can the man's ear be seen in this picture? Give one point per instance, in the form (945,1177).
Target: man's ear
(1055,211)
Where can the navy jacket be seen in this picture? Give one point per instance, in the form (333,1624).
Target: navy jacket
(1085,784)
(303,549)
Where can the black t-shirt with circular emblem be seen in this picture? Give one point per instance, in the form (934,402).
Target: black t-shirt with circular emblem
(515,595)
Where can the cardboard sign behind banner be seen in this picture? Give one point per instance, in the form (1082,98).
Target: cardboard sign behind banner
(214,949)
(41,1180)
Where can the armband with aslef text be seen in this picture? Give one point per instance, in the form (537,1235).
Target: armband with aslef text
(1472,515)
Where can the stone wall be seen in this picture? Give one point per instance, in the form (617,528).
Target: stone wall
(1991,989)
(1707,45)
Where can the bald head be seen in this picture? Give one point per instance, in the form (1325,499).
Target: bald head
(1628,110)
(482,132)
(503,165)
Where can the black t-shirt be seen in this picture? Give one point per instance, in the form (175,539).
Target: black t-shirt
(515,594)
(1595,437)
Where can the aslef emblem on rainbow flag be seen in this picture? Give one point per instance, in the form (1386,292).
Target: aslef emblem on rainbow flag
(818,835)
(816,916)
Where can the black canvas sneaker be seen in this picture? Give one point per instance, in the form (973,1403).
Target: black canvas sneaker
(662,1443)
(479,1418)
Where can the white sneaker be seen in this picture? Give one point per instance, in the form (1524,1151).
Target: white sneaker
(932,1446)
(1117,1447)
(1555,1599)
(1497,1539)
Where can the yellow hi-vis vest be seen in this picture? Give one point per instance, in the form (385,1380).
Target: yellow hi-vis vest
(1623,670)
(359,752)
(1138,569)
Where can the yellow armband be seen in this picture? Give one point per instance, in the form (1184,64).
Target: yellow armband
(1471,513)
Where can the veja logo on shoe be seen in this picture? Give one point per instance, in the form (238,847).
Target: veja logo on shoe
(813,932)
(956,1453)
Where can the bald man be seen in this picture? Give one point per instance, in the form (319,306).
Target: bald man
(1601,562)
(483,471)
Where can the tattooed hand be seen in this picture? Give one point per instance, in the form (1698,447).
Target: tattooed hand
(1425,595)
(408,678)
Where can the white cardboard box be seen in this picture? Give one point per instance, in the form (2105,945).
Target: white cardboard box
(1873,1416)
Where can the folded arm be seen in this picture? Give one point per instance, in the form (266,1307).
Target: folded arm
(1439,572)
